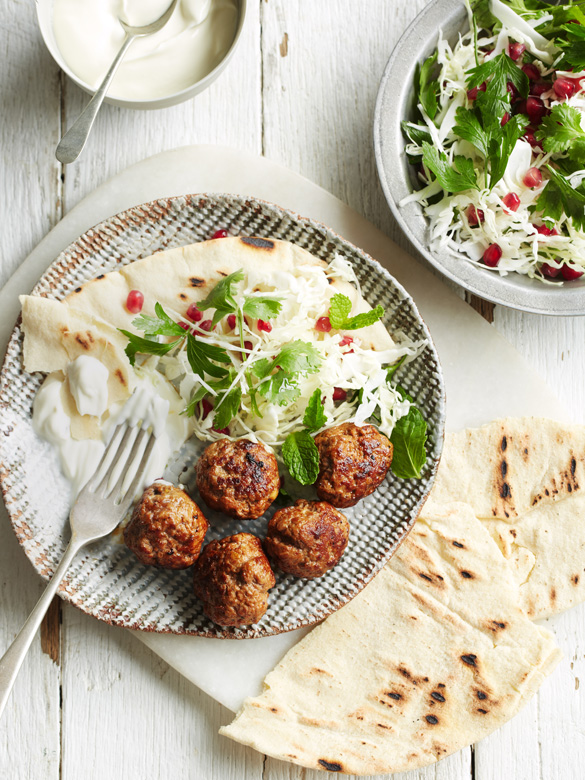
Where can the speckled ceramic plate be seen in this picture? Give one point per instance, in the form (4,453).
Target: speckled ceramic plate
(395,103)
(106,580)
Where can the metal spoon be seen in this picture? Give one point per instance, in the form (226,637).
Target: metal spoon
(72,143)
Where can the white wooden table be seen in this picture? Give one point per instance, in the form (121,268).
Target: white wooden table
(92,703)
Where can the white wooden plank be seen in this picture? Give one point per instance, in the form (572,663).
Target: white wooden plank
(29,205)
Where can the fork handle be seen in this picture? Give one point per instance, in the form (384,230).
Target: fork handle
(12,659)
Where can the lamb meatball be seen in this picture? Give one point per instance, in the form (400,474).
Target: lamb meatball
(232,577)
(166,529)
(307,539)
(239,478)
(353,462)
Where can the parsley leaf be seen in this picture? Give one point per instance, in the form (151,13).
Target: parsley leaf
(221,297)
(561,131)
(426,86)
(461,177)
(227,407)
(301,457)
(314,418)
(502,145)
(408,438)
(560,197)
(200,354)
(415,133)
(298,357)
(262,307)
(468,127)
(281,388)
(161,325)
(138,345)
(573,46)
(499,70)
(340,308)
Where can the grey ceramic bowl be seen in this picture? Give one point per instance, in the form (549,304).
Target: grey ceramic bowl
(396,102)
(45,18)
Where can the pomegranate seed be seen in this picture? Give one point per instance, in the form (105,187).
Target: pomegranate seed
(516,50)
(193,313)
(570,273)
(511,201)
(135,301)
(519,107)
(349,352)
(564,88)
(206,407)
(323,324)
(345,341)
(474,216)
(472,93)
(207,325)
(532,178)
(184,325)
(536,90)
(505,119)
(531,71)
(231,321)
(549,270)
(531,139)
(248,346)
(225,431)
(511,87)
(544,230)
(535,109)
(492,255)
(265,326)
(220,234)
(339,394)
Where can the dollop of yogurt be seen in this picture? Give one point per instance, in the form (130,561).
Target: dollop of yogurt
(88,383)
(191,44)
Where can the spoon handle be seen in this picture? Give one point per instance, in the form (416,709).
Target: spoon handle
(72,143)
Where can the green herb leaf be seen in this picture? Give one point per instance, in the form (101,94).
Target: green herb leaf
(427,87)
(560,197)
(468,127)
(457,179)
(298,357)
(573,46)
(227,406)
(391,370)
(498,71)
(409,437)
(196,399)
(281,388)
(301,457)
(161,325)
(138,345)
(314,418)
(561,131)
(262,307)
(415,133)
(502,145)
(340,307)
(221,297)
(200,354)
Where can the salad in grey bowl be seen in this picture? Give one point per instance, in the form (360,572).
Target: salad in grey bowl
(480,145)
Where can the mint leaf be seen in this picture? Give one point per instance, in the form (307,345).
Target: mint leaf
(427,87)
(221,297)
(262,307)
(301,457)
(136,345)
(560,197)
(458,179)
(408,438)
(340,307)
(227,406)
(468,127)
(314,418)
(200,355)
(561,131)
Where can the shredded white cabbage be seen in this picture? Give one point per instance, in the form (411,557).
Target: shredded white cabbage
(352,367)
(524,249)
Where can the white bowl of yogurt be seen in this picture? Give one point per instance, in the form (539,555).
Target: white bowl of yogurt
(159,70)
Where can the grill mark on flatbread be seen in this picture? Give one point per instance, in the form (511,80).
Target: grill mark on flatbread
(257,243)
(469,659)
(182,296)
(437,696)
(458,544)
(120,376)
(331,766)
(432,720)
(195,281)
(467,575)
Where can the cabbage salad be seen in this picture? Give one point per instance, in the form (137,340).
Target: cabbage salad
(499,140)
(279,368)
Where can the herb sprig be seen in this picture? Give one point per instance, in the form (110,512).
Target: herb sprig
(340,308)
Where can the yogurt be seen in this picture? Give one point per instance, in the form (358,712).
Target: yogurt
(191,44)
(88,382)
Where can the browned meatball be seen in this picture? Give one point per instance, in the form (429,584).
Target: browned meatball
(353,462)
(307,539)
(239,478)
(166,529)
(232,578)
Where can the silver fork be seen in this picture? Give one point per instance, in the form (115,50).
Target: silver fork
(99,508)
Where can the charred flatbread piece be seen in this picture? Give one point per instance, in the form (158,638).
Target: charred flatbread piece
(525,479)
(432,656)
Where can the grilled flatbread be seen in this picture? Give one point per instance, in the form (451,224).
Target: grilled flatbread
(433,655)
